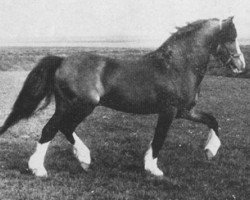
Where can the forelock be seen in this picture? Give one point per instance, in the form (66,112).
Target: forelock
(228,31)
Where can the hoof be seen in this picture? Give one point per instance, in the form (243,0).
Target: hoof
(209,154)
(155,172)
(85,166)
(155,176)
(150,164)
(40,173)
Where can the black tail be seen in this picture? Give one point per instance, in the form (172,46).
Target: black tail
(38,85)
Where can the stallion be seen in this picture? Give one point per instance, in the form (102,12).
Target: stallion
(164,82)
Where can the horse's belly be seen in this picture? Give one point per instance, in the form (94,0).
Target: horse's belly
(152,109)
(135,105)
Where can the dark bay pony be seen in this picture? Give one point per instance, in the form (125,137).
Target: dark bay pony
(164,82)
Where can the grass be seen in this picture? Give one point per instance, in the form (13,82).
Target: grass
(118,141)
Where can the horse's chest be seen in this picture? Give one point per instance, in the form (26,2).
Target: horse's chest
(177,92)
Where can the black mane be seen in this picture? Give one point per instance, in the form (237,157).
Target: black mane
(183,33)
(188,30)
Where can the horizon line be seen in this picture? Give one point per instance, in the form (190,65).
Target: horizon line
(91,41)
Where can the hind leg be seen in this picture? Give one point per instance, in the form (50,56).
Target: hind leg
(36,161)
(67,127)
(65,119)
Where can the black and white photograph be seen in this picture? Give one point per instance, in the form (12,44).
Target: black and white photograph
(124,100)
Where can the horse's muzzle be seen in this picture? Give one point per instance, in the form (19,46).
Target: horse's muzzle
(237,64)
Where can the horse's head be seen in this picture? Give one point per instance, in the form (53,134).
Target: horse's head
(227,47)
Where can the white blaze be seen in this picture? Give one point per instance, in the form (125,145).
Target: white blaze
(213,143)
(241,54)
(220,24)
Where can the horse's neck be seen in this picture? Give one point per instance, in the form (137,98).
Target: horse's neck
(185,58)
(186,54)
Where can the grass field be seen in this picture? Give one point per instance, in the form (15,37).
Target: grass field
(118,142)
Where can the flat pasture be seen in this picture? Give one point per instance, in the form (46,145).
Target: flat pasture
(119,140)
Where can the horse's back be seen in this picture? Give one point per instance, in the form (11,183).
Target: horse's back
(81,74)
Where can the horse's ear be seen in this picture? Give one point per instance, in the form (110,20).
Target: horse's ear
(227,22)
(231,18)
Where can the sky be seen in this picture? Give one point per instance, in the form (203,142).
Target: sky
(117,19)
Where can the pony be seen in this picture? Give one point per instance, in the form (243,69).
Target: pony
(165,81)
